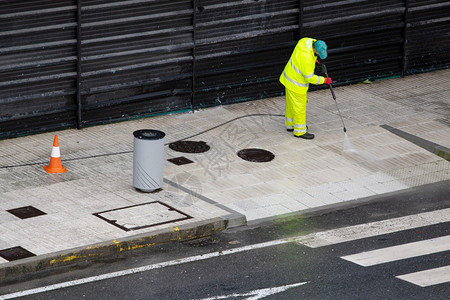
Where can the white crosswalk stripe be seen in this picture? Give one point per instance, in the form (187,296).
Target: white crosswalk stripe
(422,278)
(372,229)
(389,254)
(428,277)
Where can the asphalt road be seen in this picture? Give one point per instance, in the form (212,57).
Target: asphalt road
(317,256)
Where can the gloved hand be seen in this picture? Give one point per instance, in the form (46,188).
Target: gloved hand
(328,80)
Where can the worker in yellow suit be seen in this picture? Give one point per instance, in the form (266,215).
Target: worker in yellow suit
(296,77)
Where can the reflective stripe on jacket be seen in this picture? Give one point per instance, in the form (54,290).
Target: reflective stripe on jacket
(299,71)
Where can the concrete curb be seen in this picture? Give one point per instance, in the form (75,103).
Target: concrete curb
(434,148)
(115,248)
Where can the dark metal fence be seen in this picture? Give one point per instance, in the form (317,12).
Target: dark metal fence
(77,63)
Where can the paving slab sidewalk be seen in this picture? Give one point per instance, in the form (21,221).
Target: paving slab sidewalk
(93,211)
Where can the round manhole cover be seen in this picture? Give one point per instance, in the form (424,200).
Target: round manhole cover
(189,146)
(256,155)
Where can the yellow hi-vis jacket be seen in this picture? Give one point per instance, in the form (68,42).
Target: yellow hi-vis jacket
(299,71)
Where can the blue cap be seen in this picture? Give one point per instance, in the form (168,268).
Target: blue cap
(321,48)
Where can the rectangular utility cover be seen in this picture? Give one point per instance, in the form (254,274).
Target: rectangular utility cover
(142,215)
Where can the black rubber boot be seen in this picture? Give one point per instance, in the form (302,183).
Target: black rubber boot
(308,136)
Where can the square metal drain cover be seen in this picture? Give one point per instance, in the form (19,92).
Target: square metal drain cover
(26,212)
(15,253)
(180,160)
(142,215)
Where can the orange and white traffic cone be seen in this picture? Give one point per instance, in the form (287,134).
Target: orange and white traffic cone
(55,165)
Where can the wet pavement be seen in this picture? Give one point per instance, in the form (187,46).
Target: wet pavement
(398,137)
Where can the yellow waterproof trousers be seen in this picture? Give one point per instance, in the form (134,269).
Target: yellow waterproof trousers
(295,112)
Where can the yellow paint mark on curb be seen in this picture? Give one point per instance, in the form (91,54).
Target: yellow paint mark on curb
(134,247)
(65,259)
(98,246)
(76,257)
(121,246)
(72,257)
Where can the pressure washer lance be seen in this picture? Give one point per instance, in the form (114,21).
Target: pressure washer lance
(324,69)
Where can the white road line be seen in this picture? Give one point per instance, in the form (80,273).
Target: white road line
(428,277)
(143,269)
(258,294)
(394,253)
(361,231)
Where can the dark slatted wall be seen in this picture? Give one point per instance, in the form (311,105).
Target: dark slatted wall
(76,63)
(241,47)
(136,58)
(37,66)
(365,38)
(427,36)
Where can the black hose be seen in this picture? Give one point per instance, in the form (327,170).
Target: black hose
(125,152)
(224,123)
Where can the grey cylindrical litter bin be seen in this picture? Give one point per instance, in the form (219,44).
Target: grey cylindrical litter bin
(148,159)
